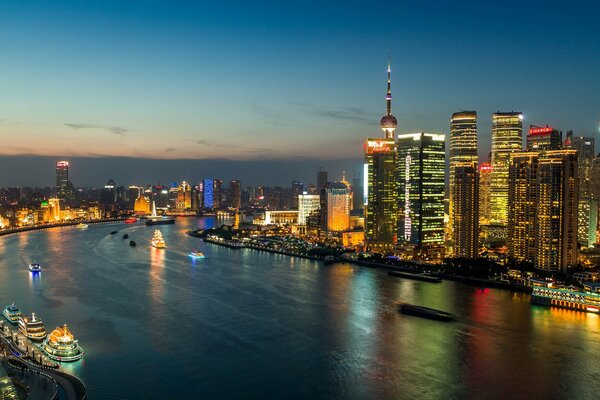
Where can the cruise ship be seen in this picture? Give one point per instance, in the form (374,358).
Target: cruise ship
(33,328)
(12,313)
(157,240)
(196,254)
(566,298)
(154,219)
(60,345)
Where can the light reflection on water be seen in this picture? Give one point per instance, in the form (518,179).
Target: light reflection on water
(246,324)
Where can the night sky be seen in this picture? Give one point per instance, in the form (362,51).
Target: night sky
(279,88)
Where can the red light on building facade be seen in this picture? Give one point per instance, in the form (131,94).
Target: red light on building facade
(378,146)
(485,167)
(62,164)
(540,131)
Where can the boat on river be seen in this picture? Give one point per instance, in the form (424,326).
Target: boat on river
(157,240)
(35,267)
(196,254)
(12,313)
(60,345)
(81,226)
(32,328)
(425,312)
(416,276)
(155,219)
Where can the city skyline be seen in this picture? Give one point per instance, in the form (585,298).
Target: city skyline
(193,89)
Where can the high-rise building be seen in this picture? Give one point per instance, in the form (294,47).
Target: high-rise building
(208,193)
(556,219)
(381,197)
(235,187)
(588,204)
(465,210)
(463,148)
(184,196)
(108,197)
(307,205)
(485,181)
(337,207)
(522,205)
(357,193)
(62,179)
(543,204)
(543,138)
(321,179)
(507,137)
(297,189)
(421,180)
(217,193)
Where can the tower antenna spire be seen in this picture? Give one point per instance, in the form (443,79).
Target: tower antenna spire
(388,97)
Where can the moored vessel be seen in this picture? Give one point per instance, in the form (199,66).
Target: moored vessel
(425,312)
(81,226)
(416,276)
(32,328)
(60,345)
(566,298)
(12,313)
(157,240)
(34,267)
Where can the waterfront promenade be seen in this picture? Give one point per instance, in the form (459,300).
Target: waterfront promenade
(11,231)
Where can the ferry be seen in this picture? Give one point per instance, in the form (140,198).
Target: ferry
(566,298)
(81,226)
(154,219)
(416,276)
(32,328)
(131,220)
(35,267)
(60,345)
(425,312)
(157,240)
(196,254)
(12,313)
(132,243)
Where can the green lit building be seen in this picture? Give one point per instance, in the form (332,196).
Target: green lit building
(420,171)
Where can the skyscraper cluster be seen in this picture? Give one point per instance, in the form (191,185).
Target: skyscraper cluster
(539,201)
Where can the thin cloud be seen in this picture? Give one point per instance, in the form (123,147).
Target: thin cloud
(248,149)
(117,130)
(351,114)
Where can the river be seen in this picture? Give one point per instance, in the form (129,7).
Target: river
(242,324)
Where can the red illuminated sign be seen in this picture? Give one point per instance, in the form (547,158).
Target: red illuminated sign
(62,164)
(377,146)
(540,131)
(485,167)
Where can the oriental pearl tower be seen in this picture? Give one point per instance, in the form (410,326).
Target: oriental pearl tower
(388,122)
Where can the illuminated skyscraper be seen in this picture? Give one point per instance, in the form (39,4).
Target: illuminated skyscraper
(208,193)
(507,137)
(62,179)
(556,219)
(543,138)
(235,188)
(380,184)
(421,172)
(184,196)
(217,193)
(321,179)
(337,203)
(588,204)
(522,205)
(463,147)
(485,181)
(465,210)
(543,199)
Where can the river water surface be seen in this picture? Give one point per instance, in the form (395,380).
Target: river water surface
(242,324)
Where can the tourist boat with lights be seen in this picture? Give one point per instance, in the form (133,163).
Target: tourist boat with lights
(12,313)
(32,328)
(425,312)
(60,345)
(196,254)
(81,226)
(569,298)
(35,267)
(131,220)
(154,219)
(157,240)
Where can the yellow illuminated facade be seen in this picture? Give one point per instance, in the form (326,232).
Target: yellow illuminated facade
(338,207)
(507,137)
(142,205)
(463,147)
(485,180)
(465,215)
